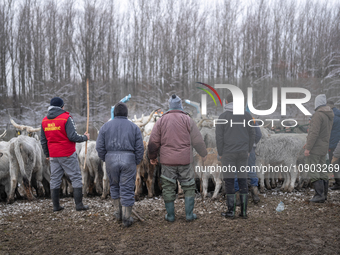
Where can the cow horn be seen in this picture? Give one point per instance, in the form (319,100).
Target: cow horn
(266,125)
(20,127)
(33,130)
(200,123)
(150,117)
(3,134)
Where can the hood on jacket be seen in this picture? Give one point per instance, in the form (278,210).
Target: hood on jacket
(54,111)
(320,100)
(229,107)
(327,111)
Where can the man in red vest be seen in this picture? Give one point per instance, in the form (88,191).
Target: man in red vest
(58,139)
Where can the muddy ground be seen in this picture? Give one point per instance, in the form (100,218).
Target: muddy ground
(302,228)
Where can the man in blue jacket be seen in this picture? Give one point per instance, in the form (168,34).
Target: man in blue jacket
(334,140)
(120,146)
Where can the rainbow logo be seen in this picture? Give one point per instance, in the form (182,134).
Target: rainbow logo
(209,93)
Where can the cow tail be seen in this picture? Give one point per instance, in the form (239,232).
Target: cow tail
(21,163)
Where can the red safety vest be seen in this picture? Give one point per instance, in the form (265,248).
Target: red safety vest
(57,141)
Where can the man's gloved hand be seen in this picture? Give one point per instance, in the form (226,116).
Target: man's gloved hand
(334,160)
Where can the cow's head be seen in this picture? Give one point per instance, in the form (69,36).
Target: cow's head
(25,130)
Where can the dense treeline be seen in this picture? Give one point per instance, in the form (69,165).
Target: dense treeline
(152,48)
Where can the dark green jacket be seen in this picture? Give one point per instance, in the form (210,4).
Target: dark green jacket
(320,131)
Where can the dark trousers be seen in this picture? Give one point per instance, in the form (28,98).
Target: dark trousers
(235,164)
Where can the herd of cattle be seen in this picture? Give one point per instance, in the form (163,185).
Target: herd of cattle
(25,171)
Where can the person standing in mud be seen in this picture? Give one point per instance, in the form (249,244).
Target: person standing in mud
(58,139)
(120,146)
(234,144)
(317,146)
(334,140)
(173,137)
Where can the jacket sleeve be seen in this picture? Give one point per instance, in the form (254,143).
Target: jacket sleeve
(100,144)
(251,132)
(336,152)
(197,140)
(219,137)
(155,140)
(314,130)
(258,134)
(139,146)
(71,132)
(43,142)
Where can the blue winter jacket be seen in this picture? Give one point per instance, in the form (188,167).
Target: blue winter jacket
(335,134)
(120,134)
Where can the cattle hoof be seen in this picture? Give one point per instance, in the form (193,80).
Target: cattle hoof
(10,201)
(262,191)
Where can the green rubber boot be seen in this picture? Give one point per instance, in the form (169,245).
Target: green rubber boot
(170,209)
(189,207)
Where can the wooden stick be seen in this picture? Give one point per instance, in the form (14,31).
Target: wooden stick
(135,213)
(88,116)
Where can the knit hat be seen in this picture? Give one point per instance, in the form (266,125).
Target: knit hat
(175,103)
(120,110)
(57,101)
(320,100)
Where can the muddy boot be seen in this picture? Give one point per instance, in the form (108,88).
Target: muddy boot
(244,205)
(255,194)
(118,209)
(78,199)
(325,188)
(55,200)
(126,216)
(238,201)
(319,196)
(170,209)
(231,203)
(189,207)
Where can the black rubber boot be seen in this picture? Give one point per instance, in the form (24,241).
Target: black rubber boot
(55,194)
(78,199)
(126,215)
(231,203)
(326,188)
(319,196)
(244,205)
(336,185)
(255,194)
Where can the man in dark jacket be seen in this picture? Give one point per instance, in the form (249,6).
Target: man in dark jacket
(120,146)
(234,142)
(317,146)
(173,137)
(58,140)
(334,140)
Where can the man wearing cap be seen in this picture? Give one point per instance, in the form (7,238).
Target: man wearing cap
(58,139)
(234,143)
(120,146)
(173,137)
(317,146)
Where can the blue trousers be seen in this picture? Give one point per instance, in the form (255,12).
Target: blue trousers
(254,181)
(121,170)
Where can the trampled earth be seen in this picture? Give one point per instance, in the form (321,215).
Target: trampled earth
(302,228)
